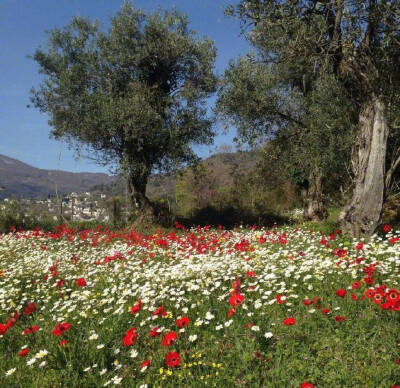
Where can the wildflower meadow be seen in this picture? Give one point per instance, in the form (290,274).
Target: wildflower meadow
(277,307)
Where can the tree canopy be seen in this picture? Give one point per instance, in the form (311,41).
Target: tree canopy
(320,69)
(133,95)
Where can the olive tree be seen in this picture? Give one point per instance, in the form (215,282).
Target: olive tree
(133,95)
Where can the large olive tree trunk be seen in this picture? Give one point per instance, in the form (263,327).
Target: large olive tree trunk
(314,209)
(141,206)
(362,216)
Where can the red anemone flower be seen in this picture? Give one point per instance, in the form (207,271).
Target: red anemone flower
(182,322)
(289,321)
(30,330)
(172,359)
(145,364)
(393,295)
(370,293)
(136,308)
(30,308)
(62,343)
(155,332)
(341,292)
(169,339)
(60,328)
(81,282)
(279,299)
(340,318)
(236,299)
(387,228)
(359,246)
(306,384)
(369,280)
(356,285)
(23,352)
(131,337)
(160,311)
(3,329)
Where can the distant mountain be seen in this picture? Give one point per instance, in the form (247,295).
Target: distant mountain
(18,179)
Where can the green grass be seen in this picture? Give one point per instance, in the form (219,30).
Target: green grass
(361,351)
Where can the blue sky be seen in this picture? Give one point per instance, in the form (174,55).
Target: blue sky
(24,131)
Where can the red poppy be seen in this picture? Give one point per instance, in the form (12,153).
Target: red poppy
(279,299)
(289,321)
(356,285)
(30,308)
(60,283)
(397,361)
(30,330)
(62,343)
(231,312)
(155,332)
(3,329)
(236,299)
(306,384)
(81,282)
(61,328)
(23,352)
(160,311)
(326,311)
(145,364)
(251,274)
(131,337)
(341,292)
(182,322)
(169,339)
(236,285)
(369,280)
(369,293)
(340,318)
(393,295)
(136,308)
(10,322)
(353,297)
(172,359)
(378,298)
(387,228)
(359,246)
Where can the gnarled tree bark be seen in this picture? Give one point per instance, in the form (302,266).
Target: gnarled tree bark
(140,204)
(314,209)
(363,215)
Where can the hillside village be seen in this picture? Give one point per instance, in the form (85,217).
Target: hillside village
(85,206)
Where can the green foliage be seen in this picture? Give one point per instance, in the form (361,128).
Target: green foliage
(257,195)
(114,205)
(327,226)
(12,214)
(315,64)
(134,95)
